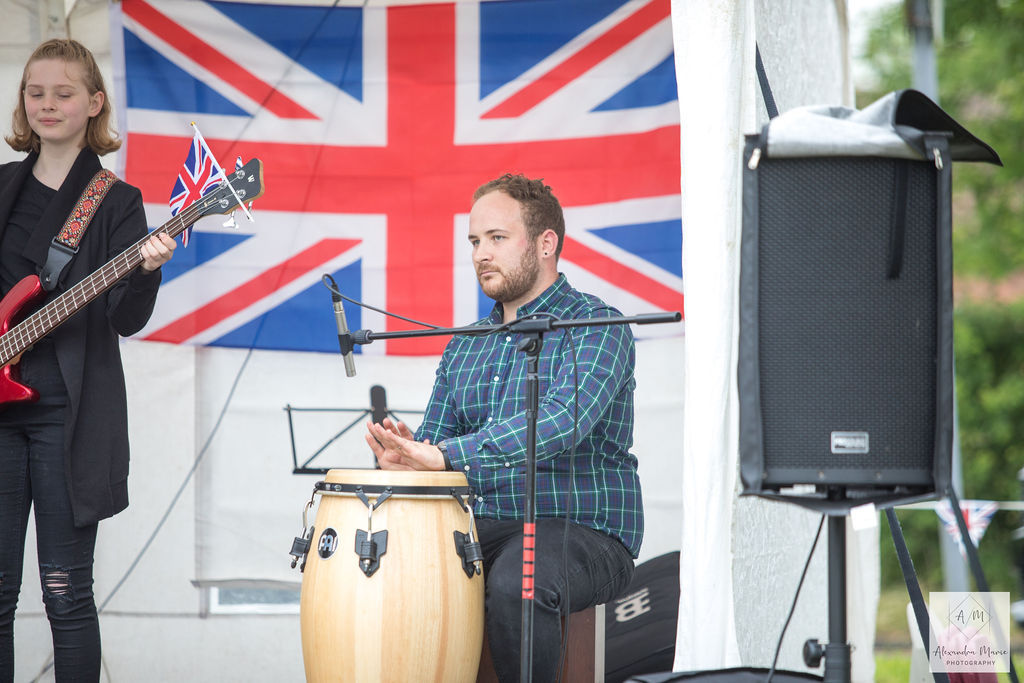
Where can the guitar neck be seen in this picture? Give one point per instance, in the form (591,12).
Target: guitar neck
(244,184)
(36,326)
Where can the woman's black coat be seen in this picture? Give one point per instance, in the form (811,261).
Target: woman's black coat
(87,344)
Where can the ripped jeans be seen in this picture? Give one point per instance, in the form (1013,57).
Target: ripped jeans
(32,475)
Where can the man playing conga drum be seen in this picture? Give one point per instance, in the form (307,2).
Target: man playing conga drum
(475,422)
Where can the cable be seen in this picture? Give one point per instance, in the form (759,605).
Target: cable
(292,62)
(792,607)
(333,287)
(184,483)
(270,93)
(569,496)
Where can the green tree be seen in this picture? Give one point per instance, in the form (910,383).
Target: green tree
(990,384)
(981,84)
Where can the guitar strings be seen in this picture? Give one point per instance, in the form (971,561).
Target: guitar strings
(46,319)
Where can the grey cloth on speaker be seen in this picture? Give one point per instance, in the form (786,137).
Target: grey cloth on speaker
(893,126)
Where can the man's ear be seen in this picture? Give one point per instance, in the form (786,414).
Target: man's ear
(548,242)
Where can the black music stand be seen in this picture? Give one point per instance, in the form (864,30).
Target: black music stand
(377,411)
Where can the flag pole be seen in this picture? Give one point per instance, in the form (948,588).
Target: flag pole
(223,175)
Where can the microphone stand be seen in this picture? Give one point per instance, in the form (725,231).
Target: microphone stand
(533,329)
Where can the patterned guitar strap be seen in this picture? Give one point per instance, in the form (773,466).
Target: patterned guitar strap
(65,245)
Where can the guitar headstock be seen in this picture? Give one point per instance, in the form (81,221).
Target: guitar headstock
(247,183)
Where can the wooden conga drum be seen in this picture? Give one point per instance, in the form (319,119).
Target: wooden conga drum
(386,594)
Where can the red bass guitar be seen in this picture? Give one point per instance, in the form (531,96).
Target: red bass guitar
(17,337)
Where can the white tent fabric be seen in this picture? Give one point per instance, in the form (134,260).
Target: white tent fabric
(716,104)
(741,558)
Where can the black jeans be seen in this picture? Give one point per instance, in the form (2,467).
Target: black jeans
(592,569)
(32,474)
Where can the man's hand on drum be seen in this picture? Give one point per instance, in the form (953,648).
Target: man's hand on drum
(395,448)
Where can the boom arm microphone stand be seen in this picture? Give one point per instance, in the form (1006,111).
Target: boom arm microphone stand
(533,329)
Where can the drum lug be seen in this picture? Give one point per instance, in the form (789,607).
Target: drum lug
(470,552)
(458,499)
(377,503)
(300,548)
(369,551)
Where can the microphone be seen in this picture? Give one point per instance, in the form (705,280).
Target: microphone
(378,403)
(344,338)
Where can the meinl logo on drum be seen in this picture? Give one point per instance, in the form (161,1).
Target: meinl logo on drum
(328,543)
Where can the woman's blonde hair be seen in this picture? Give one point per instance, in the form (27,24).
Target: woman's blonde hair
(100,136)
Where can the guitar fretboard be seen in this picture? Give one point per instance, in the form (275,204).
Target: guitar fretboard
(36,326)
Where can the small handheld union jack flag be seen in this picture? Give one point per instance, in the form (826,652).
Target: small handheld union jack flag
(200,174)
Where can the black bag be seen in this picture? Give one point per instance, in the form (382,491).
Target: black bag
(640,627)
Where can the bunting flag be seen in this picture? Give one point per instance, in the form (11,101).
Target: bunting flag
(375,125)
(977,514)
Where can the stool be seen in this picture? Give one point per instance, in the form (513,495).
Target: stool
(584,660)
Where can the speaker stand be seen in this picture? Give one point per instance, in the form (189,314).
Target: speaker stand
(837,652)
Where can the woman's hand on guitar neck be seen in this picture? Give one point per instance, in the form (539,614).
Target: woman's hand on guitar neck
(156,251)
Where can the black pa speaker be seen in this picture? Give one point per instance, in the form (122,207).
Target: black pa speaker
(845,353)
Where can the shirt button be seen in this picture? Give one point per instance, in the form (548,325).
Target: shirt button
(466,468)
(489,419)
(508,338)
(496,378)
(508,465)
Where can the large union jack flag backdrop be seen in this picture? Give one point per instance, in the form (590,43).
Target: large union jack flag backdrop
(375,125)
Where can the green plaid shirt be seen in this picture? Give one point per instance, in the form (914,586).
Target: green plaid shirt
(478,407)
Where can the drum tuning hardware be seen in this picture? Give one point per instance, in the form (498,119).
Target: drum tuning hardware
(470,552)
(371,545)
(377,503)
(466,545)
(300,546)
(458,499)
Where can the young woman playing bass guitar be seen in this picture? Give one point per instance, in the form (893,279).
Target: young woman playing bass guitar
(66,453)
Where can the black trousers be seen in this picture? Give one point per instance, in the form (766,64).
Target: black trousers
(32,475)
(592,568)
